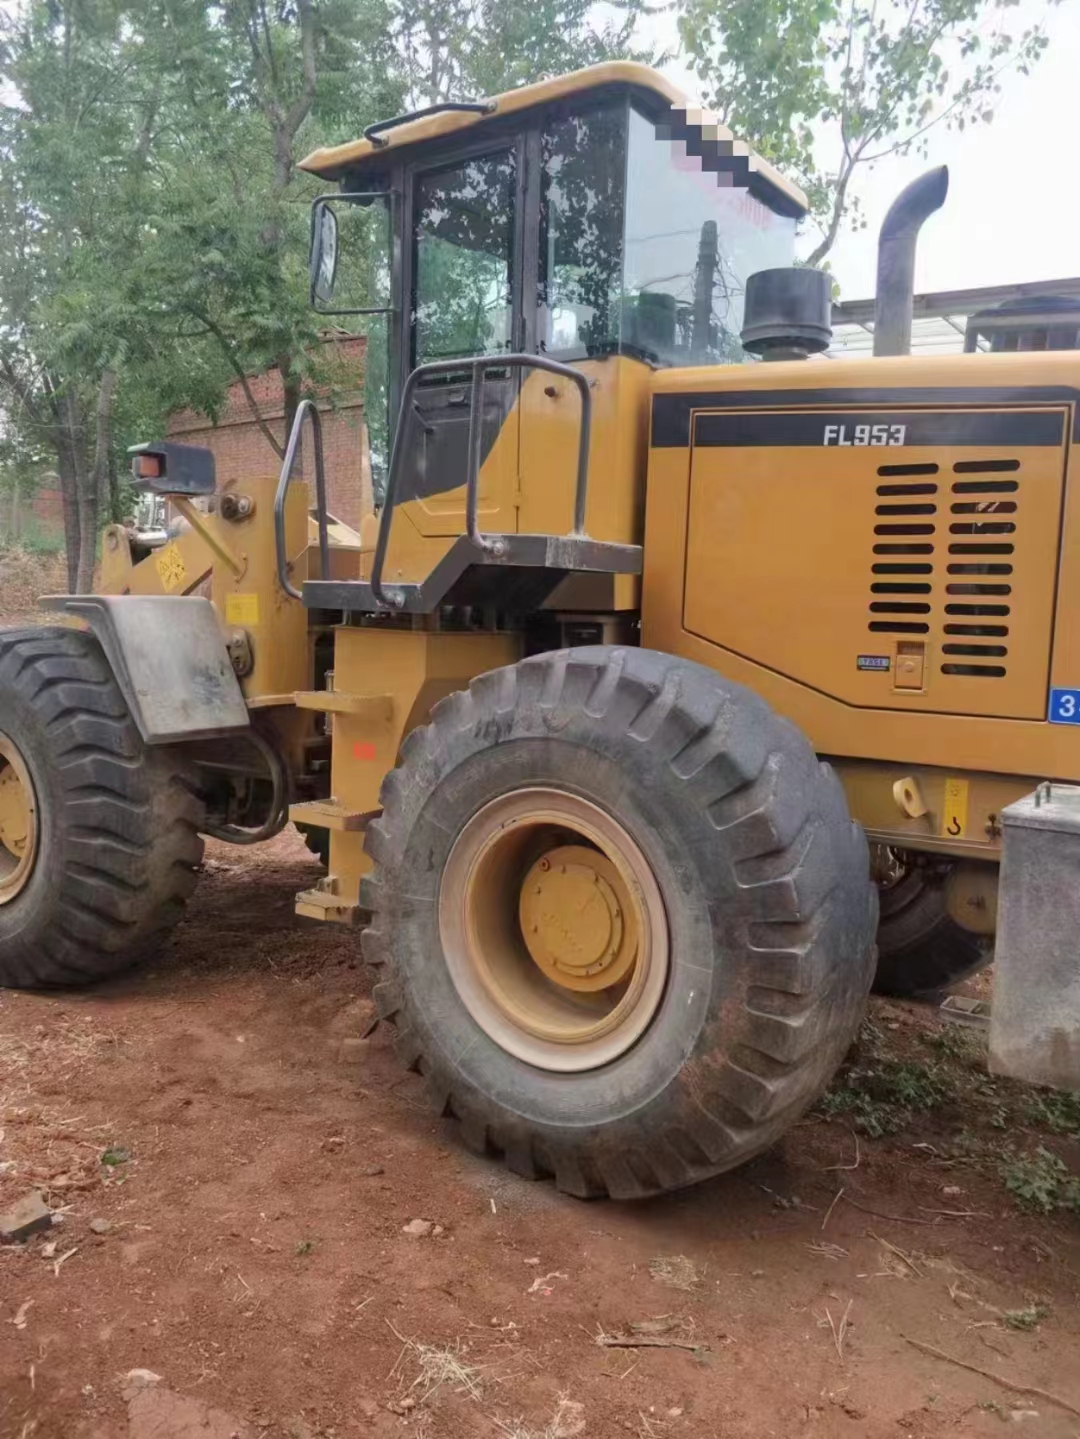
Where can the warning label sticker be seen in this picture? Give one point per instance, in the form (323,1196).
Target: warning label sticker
(171,568)
(242,609)
(954,808)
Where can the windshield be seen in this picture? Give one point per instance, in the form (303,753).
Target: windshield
(692,238)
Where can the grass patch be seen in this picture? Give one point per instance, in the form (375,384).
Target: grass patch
(880,1094)
(1025,1319)
(897,1075)
(960,1045)
(1048,1109)
(1041,1182)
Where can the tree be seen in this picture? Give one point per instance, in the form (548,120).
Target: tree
(152,233)
(465,49)
(804,78)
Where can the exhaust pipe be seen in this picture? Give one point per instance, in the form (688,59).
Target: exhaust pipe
(896,259)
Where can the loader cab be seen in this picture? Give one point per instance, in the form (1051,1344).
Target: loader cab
(596,219)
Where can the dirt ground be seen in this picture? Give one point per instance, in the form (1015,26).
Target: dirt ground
(233,1166)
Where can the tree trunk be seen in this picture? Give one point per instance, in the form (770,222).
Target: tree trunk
(290,392)
(116,512)
(92,486)
(68,452)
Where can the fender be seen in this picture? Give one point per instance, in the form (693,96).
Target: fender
(169,659)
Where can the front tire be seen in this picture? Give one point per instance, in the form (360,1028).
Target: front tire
(766,918)
(113,825)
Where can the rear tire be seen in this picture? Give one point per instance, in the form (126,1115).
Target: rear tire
(763,878)
(921,948)
(117,824)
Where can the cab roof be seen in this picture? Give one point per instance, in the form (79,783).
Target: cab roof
(702,130)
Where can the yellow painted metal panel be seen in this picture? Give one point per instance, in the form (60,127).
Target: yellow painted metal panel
(793,561)
(957,743)
(550,426)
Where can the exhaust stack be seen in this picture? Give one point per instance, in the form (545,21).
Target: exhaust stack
(896,259)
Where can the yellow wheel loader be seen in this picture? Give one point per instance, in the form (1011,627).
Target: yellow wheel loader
(670,652)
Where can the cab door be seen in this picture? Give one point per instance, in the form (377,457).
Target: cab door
(463,301)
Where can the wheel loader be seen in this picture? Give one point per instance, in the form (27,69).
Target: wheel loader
(672,655)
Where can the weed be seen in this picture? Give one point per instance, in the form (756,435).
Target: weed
(1041,1182)
(964,1046)
(114,1155)
(1025,1319)
(1056,1111)
(881,1095)
(305,1246)
(991,1406)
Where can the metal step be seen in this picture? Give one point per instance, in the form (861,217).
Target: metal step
(537,562)
(325,905)
(329,814)
(379,708)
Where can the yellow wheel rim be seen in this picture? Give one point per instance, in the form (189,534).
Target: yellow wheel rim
(18,821)
(554,929)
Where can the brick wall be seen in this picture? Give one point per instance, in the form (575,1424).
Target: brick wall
(241,449)
(48,506)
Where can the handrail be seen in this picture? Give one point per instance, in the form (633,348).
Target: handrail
(476,366)
(304,408)
(376,133)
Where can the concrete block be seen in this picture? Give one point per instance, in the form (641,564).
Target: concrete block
(1035,1016)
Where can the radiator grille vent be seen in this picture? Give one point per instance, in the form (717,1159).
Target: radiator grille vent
(978,524)
(901,613)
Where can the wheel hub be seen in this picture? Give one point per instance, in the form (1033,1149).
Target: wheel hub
(18,821)
(572,919)
(553,929)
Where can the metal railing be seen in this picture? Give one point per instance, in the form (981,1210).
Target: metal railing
(304,408)
(476,369)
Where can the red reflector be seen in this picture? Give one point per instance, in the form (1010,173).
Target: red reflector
(148,467)
(363,750)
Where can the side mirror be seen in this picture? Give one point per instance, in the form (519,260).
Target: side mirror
(324,253)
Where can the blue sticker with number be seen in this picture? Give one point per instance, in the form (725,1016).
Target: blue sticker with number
(1064,707)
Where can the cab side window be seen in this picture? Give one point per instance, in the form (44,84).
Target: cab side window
(582,183)
(463,252)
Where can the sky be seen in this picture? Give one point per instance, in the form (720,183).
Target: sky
(1013,210)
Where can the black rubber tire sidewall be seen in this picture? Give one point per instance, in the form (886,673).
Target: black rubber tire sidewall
(118,847)
(921,948)
(679,1105)
(620,1089)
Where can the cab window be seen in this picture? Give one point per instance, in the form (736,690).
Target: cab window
(463,250)
(582,181)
